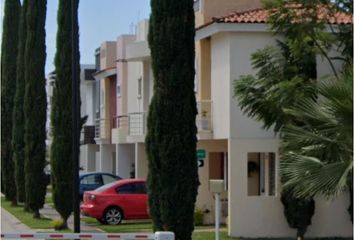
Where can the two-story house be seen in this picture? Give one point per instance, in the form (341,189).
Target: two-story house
(224,44)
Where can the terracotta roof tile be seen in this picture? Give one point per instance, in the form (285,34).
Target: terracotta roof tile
(261,16)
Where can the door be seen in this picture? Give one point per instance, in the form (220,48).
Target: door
(133,198)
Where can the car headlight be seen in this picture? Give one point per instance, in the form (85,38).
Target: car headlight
(92,197)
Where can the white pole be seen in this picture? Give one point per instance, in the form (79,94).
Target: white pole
(217,216)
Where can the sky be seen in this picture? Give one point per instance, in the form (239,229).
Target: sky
(99,21)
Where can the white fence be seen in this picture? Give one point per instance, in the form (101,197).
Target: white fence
(111,236)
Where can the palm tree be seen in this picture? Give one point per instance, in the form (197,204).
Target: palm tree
(318,156)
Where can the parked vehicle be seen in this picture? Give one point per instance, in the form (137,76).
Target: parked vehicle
(91,180)
(111,203)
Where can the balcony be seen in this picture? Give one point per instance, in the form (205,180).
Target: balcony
(102,130)
(88,135)
(137,126)
(120,129)
(204,119)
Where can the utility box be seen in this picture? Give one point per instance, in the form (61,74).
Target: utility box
(216,186)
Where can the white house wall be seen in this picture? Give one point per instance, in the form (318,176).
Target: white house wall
(220,84)
(242,45)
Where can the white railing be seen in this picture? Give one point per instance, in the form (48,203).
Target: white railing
(137,123)
(102,128)
(204,119)
(123,236)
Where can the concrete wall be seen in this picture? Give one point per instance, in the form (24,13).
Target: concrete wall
(88,157)
(135,71)
(203,69)
(220,85)
(125,154)
(122,73)
(141,162)
(205,198)
(212,8)
(106,158)
(108,55)
(266,212)
(242,45)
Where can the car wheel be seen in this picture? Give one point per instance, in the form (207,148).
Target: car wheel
(101,220)
(113,216)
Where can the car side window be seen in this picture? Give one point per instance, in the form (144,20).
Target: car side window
(108,179)
(141,188)
(91,179)
(132,188)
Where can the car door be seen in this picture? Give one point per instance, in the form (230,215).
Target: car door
(133,200)
(91,182)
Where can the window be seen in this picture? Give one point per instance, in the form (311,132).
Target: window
(91,179)
(108,179)
(261,172)
(132,188)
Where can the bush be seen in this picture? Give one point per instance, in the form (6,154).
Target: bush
(59,224)
(198,217)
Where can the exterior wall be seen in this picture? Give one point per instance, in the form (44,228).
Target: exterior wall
(142,30)
(88,157)
(242,45)
(212,8)
(122,73)
(220,85)
(108,55)
(125,154)
(106,158)
(105,107)
(141,162)
(266,212)
(146,85)
(134,101)
(203,69)
(205,197)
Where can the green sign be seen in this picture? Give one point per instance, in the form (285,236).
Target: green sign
(201,153)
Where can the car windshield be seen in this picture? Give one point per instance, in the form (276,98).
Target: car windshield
(104,187)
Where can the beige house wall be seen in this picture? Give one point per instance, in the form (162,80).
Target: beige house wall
(212,8)
(122,72)
(105,107)
(257,216)
(108,55)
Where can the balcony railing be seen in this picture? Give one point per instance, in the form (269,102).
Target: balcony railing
(102,128)
(137,123)
(120,121)
(205,116)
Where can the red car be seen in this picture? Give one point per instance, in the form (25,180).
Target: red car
(113,202)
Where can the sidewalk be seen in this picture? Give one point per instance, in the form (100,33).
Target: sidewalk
(10,224)
(49,212)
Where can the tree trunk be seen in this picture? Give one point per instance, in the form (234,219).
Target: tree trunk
(36,214)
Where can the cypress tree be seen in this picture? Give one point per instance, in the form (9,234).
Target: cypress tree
(8,88)
(18,128)
(61,116)
(171,138)
(35,105)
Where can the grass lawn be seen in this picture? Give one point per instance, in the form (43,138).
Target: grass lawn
(209,236)
(25,217)
(125,227)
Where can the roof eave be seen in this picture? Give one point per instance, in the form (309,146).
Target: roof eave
(216,27)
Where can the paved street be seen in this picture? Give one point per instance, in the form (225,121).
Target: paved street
(10,224)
